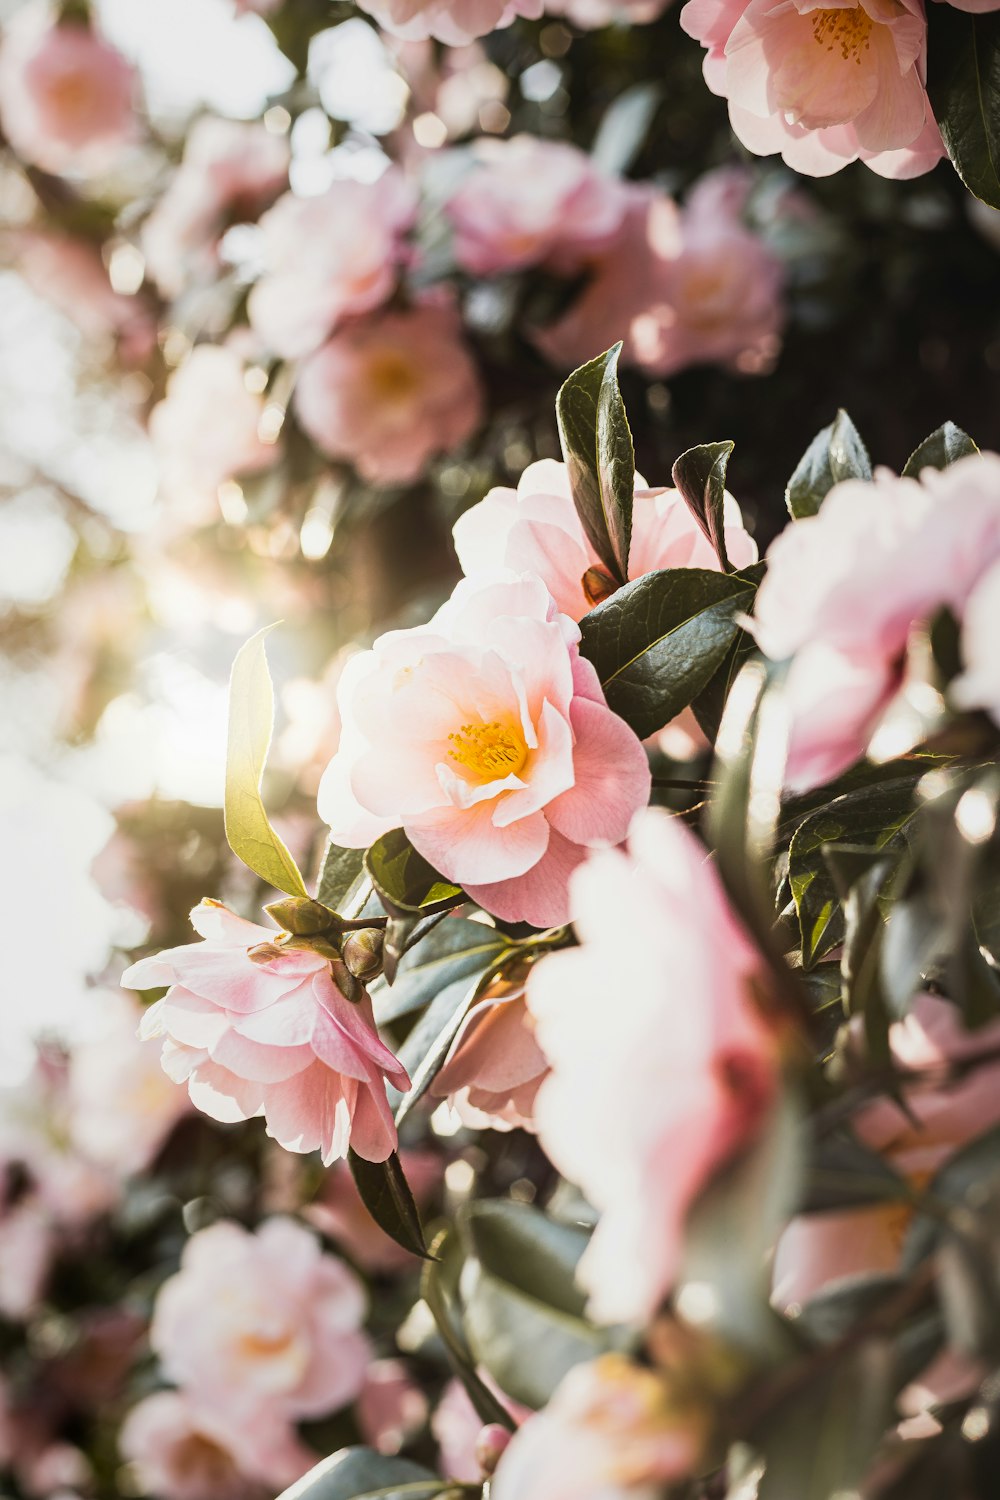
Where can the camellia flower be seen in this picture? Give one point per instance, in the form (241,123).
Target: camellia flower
(181,1451)
(529,202)
(536,529)
(844,589)
(823,86)
(391,391)
(257,1029)
(609,1432)
(494,1066)
(662,1068)
(485,735)
(328,257)
(66,95)
(978,686)
(70,274)
(391,1407)
(681,286)
(455,22)
(262,1325)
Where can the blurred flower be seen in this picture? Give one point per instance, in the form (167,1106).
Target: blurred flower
(70,274)
(28,1244)
(67,96)
(682,286)
(536,529)
(528,202)
(662,1067)
(589,15)
(231,170)
(257,1029)
(328,257)
(486,736)
(339,1213)
(452,21)
(978,686)
(390,1408)
(390,392)
(181,1452)
(494,1066)
(262,1325)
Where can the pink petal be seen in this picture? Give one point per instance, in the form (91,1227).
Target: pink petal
(222,1095)
(540,895)
(466,845)
(312,1111)
(257,1061)
(612,778)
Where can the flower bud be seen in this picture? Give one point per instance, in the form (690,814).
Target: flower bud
(597,585)
(302,916)
(490,1444)
(362,952)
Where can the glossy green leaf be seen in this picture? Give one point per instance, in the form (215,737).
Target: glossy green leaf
(251,723)
(386,1194)
(835,454)
(360,1473)
(457,950)
(700,476)
(425,1049)
(342,878)
(945,446)
(963,82)
(406,884)
(597,447)
(439,1289)
(657,642)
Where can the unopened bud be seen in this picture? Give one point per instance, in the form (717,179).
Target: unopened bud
(490,1444)
(351,988)
(362,952)
(302,916)
(597,585)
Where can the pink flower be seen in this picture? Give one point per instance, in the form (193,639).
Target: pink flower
(390,1408)
(389,392)
(327,258)
(681,286)
(978,686)
(455,22)
(180,1451)
(844,589)
(28,1243)
(608,1433)
(528,202)
(66,95)
(494,1066)
(262,1324)
(205,430)
(485,735)
(258,1029)
(535,529)
(662,1069)
(823,87)
(339,1213)
(230,171)
(591,14)
(940,1117)
(70,274)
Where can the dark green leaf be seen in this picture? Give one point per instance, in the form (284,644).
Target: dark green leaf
(425,1049)
(341,878)
(354,1473)
(842,1173)
(657,642)
(945,446)
(386,1194)
(963,80)
(700,476)
(597,447)
(406,884)
(456,950)
(439,1289)
(834,454)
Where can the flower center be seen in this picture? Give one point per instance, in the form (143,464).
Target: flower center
(489,751)
(393,377)
(846,31)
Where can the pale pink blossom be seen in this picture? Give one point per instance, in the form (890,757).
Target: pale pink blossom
(823,86)
(391,1407)
(662,1068)
(70,274)
(680,286)
(536,529)
(589,15)
(494,1066)
(262,1324)
(205,430)
(528,202)
(455,22)
(978,685)
(339,1212)
(845,588)
(390,392)
(231,170)
(937,1117)
(258,1029)
(181,1451)
(28,1244)
(608,1433)
(485,735)
(327,258)
(67,97)
(36,1137)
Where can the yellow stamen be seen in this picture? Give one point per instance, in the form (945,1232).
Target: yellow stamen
(846,31)
(490,751)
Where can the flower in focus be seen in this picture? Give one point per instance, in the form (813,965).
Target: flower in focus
(262,1325)
(485,735)
(180,1452)
(529,202)
(390,392)
(609,1432)
(257,1029)
(454,22)
(328,257)
(536,529)
(662,1068)
(681,286)
(823,86)
(67,96)
(494,1066)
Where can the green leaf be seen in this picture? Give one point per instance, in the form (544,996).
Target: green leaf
(342,877)
(251,723)
(597,447)
(386,1194)
(458,950)
(835,454)
(425,1049)
(657,642)
(963,81)
(624,127)
(439,1289)
(359,1473)
(945,446)
(700,476)
(406,884)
